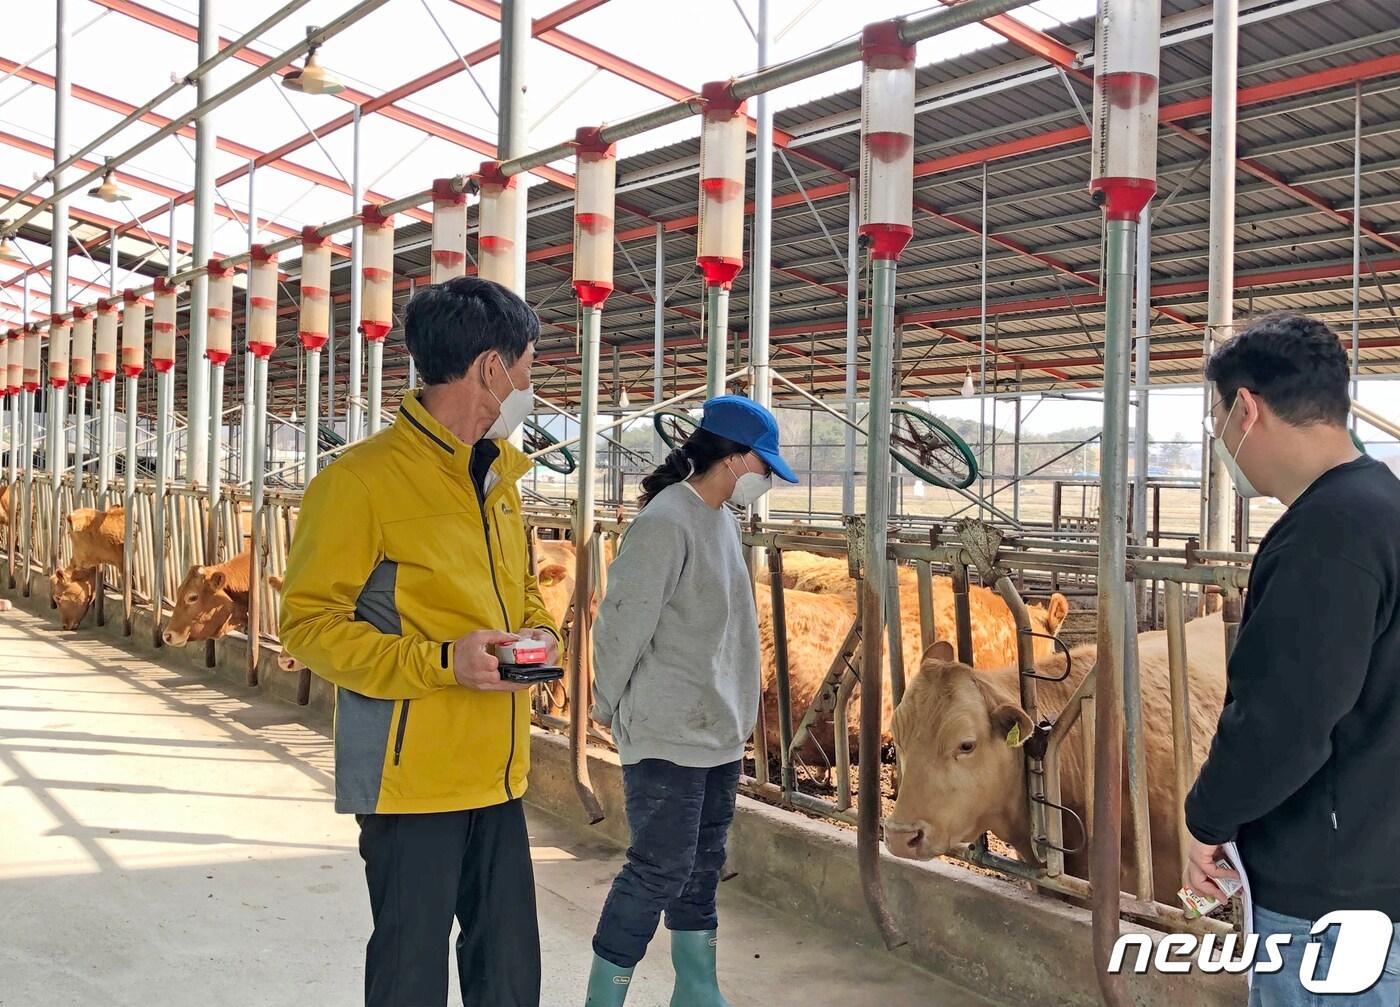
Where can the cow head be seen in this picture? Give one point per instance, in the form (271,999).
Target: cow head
(285,661)
(82,518)
(73,590)
(957,739)
(203,608)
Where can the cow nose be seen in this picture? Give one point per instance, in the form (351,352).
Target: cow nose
(169,638)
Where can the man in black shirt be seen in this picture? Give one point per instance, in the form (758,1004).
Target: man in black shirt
(1304,770)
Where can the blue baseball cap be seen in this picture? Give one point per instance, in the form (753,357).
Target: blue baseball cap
(745,422)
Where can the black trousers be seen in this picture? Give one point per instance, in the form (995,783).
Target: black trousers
(425,869)
(679,818)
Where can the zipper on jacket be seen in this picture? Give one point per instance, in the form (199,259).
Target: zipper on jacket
(495,586)
(403,725)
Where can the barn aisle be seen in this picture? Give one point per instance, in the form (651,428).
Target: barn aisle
(169,838)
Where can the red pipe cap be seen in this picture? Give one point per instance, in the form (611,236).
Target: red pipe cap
(490,174)
(310,237)
(372,216)
(259,253)
(882,46)
(588,140)
(443,192)
(720,103)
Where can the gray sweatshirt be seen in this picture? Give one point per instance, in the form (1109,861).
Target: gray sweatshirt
(675,646)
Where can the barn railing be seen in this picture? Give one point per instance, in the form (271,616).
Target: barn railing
(1002,562)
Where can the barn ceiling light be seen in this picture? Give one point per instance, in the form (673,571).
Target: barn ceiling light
(968,390)
(313,78)
(8,251)
(623,401)
(109,191)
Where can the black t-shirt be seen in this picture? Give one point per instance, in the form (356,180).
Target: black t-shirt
(484,455)
(1304,770)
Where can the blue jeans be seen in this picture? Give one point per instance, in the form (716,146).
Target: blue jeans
(679,818)
(1284,989)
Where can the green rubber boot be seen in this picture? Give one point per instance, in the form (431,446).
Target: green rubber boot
(607,984)
(693,955)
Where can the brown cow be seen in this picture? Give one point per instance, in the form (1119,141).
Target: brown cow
(73,590)
(98,537)
(554,570)
(993,628)
(961,775)
(211,601)
(8,495)
(817,624)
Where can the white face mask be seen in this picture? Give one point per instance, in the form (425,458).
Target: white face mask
(515,407)
(1243,486)
(748,487)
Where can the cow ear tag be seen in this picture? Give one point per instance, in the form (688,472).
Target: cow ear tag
(1013,736)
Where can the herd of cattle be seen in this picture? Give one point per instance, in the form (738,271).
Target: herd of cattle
(961,772)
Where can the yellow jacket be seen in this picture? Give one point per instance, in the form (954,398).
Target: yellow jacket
(394,558)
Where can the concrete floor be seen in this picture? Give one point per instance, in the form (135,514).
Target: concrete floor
(169,839)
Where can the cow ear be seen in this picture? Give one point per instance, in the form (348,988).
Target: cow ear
(1010,722)
(274,582)
(1055,613)
(217,580)
(940,650)
(552,574)
(60,575)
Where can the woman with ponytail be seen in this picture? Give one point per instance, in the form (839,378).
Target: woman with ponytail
(676,677)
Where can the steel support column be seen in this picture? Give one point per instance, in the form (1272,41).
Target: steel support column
(58,271)
(658,374)
(760,287)
(588,557)
(164,386)
(716,338)
(354,405)
(245,436)
(376,385)
(310,452)
(1216,491)
(1355,261)
(1112,603)
(512,133)
(129,503)
(1143,305)
(330,364)
(874,587)
(196,371)
(27,502)
(848,476)
(259,477)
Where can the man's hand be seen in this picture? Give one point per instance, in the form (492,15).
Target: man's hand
(546,637)
(474,664)
(1201,871)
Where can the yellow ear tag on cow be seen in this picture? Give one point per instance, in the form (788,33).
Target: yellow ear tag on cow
(1013,736)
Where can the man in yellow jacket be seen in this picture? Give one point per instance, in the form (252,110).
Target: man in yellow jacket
(408,568)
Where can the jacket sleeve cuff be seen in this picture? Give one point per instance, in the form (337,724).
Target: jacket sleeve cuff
(1202,832)
(551,631)
(442,674)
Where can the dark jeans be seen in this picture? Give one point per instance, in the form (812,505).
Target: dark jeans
(423,870)
(679,818)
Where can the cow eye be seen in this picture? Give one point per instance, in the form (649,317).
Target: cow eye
(966,748)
